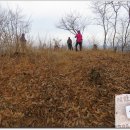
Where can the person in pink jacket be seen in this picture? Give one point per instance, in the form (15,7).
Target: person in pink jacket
(78,40)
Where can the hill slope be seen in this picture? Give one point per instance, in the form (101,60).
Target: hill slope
(62,88)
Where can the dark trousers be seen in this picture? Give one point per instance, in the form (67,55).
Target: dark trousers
(70,47)
(80,46)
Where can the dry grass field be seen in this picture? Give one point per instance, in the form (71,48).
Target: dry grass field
(62,88)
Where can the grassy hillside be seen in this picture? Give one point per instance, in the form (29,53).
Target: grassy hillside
(62,88)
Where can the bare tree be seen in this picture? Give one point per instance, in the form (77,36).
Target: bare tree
(124,33)
(116,6)
(12,25)
(73,22)
(103,15)
(17,25)
(2,25)
(127,7)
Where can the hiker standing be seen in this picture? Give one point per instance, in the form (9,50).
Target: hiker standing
(78,40)
(69,42)
(23,42)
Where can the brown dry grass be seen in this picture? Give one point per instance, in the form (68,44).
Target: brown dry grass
(62,88)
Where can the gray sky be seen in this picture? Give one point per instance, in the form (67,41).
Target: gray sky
(46,14)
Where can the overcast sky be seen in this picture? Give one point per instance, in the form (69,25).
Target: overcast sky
(46,14)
